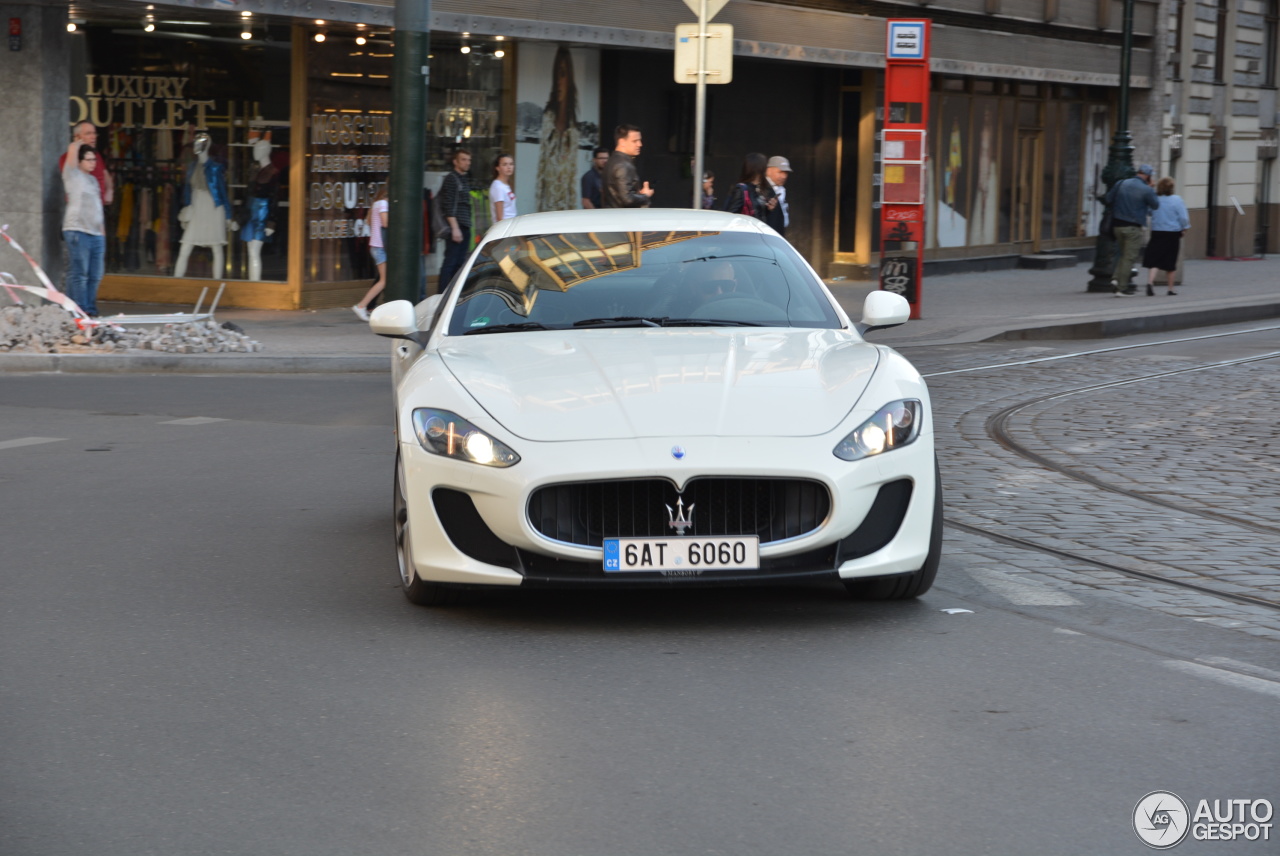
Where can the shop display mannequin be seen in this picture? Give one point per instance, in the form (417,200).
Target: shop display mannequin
(205,210)
(256,219)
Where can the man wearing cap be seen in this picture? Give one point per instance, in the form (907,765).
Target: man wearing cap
(779,216)
(1131,202)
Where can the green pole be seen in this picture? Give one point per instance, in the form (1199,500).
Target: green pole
(409,80)
(1119,164)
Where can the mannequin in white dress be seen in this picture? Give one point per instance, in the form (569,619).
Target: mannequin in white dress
(205,211)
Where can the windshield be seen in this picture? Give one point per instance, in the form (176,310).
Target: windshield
(624,279)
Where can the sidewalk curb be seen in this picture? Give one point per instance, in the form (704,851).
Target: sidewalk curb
(190,364)
(1108,328)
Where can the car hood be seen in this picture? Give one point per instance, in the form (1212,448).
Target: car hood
(622,383)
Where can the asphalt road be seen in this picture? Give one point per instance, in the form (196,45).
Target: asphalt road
(204,650)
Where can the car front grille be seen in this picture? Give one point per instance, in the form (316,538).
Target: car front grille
(586,513)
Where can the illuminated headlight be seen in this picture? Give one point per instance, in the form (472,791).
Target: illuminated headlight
(443,433)
(896,424)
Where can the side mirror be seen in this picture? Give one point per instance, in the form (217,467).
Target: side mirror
(396,320)
(884,309)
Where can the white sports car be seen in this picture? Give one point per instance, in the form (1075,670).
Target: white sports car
(655,397)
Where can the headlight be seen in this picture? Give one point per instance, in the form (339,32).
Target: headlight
(896,424)
(443,433)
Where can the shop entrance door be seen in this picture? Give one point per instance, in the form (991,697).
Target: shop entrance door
(1027,195)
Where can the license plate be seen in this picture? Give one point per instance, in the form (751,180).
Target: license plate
(684,555)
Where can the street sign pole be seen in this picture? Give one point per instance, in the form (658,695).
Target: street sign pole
(700,105)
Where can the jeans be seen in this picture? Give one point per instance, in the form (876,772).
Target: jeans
(87,253)
(455,255)
(1128,243)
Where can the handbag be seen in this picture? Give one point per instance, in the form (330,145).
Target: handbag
(1107,228)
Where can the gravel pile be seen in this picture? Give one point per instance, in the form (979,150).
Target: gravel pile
(49,330)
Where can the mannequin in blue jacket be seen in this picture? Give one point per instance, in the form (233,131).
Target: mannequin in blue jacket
(205,214)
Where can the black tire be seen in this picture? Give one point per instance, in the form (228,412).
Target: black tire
(907,586)
(416,589)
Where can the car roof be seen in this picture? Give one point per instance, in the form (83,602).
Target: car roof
(627,220)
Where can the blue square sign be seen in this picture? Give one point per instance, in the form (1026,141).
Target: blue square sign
(906,40)
(611,555)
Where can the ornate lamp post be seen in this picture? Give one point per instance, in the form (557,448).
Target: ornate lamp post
(1120,163)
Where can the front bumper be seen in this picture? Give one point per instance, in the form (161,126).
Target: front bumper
(469,523)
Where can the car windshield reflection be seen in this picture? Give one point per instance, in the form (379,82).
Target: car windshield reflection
(639,279)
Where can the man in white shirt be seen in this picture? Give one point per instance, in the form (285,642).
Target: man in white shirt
(777,171)
(83,225)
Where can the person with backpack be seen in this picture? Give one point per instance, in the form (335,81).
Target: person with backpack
(752,195)
(377,224)
(455,203)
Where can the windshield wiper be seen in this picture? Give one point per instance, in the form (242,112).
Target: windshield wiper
(508,328)
(730,256)
(709,322)
(621,321)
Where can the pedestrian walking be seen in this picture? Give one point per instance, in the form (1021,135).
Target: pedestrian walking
(752,195)
(377,224)
(1130,201)
(591,179)
(1168,224)
(502,196)
(455,202)
(777,173)
(618,187)
(83,225)
(709,190)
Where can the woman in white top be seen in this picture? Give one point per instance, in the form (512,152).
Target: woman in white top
(502,196)
(377,249)
(83,226)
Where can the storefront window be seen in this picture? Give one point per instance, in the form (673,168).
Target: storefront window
(193,127)
(349,152)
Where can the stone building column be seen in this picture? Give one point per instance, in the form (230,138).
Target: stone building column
(35,83)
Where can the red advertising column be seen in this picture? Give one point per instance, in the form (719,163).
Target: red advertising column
(903,158)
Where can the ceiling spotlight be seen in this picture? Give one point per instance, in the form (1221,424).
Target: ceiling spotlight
(149,27)
(319,23)
(71,26)
(360,40)
(319,37)
(466,49)
(499,53)
(246,14)
(246,35)
(499,38)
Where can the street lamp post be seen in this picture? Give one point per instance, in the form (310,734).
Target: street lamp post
(1119,164)
(408,149)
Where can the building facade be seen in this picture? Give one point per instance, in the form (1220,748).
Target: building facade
(296,100)
(1219,123)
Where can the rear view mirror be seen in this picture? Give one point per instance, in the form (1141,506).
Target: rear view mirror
(884,309)
(396,319)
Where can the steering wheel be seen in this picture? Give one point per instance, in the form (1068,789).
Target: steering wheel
(734,307)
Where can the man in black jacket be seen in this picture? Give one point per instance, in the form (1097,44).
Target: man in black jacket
(455,202)
(618,189)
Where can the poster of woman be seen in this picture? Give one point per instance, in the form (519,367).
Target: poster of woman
(557,123)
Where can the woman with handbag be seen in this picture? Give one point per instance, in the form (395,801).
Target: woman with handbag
(752,195)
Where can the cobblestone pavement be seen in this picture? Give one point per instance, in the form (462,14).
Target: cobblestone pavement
(1202,439)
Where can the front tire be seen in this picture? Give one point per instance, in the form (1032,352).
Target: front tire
(907,586)
(416,589)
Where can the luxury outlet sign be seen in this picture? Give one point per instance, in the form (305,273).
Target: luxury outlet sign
(135,100)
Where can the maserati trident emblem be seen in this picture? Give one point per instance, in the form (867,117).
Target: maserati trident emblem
(676,516)
(677,452)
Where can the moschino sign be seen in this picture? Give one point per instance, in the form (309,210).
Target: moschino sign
(138,101)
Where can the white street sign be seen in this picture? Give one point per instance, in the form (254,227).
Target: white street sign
(719,66)
(713,6)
